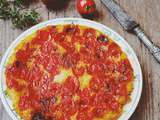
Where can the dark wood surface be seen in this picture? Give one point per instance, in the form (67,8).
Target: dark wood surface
(146,12)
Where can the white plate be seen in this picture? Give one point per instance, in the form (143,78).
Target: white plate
(135,96)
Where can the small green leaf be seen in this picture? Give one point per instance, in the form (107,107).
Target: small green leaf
(88,7)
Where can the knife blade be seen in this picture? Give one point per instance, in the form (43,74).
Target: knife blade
(130,25)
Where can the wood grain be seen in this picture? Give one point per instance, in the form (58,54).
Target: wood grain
(146,12)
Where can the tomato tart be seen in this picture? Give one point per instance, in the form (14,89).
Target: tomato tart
(69,72)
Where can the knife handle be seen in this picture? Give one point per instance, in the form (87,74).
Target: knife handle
(154,49)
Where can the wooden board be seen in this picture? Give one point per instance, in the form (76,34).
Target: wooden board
(146,12)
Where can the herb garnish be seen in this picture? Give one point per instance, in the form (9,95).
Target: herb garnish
(15,12)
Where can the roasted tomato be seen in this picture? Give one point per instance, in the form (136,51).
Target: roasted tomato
(68,72)
(86,8)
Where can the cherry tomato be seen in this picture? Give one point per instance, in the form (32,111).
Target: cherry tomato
(36,65)
(86,7)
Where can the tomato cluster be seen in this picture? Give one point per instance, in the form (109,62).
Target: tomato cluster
(49,100)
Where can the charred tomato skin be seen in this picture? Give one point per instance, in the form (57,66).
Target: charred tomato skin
(38,116)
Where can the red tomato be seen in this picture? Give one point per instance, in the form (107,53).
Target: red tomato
(86,7)
(114,105)
(79,71)
(71,29)
(70,86)
(98,111)
(89,33)
(84,115)
(24,102)
(22,55)
(114,50)
(50,100)
(122,89)
(14,84)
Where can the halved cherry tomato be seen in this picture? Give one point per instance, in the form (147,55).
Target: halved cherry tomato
(33,72)
(86,7)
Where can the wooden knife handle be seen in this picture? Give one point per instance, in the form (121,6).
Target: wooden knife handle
(154,49)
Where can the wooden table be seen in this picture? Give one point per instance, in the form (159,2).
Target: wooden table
(146,12)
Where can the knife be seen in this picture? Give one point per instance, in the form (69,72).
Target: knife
(130,25)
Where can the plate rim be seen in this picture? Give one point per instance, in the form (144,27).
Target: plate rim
(41,25)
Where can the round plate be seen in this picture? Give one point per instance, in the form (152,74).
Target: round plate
(135,96)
